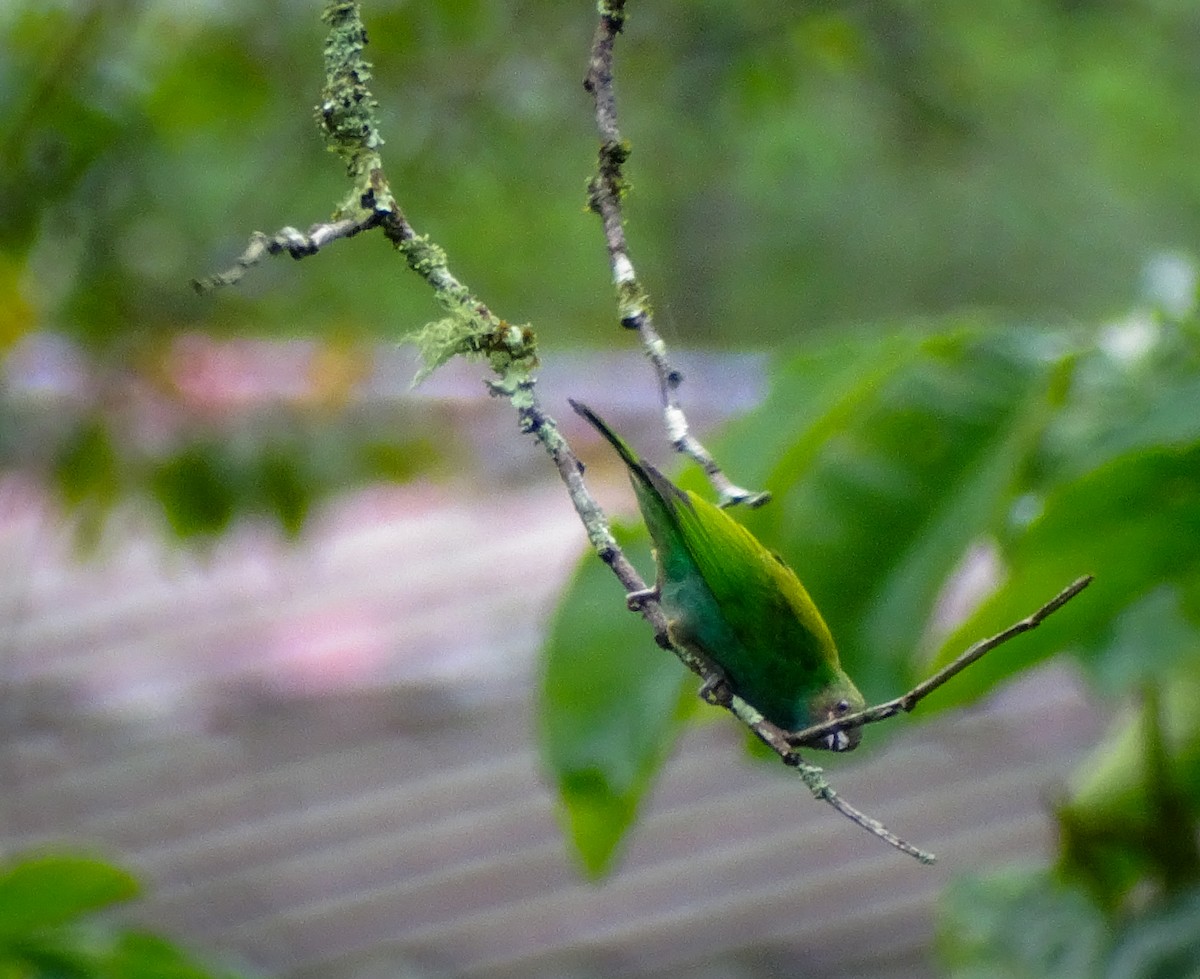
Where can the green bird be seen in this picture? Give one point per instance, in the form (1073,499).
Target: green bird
(737,604)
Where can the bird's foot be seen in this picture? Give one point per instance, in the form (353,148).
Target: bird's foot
(716,689)
(636,600)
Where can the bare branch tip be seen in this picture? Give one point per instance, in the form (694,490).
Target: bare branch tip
(736,496)
(1078,585)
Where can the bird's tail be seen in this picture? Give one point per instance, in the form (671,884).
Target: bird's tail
(615,440)
(655,490)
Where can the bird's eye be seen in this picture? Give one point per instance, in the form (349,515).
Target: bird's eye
(842,708)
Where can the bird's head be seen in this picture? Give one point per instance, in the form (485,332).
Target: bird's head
(840,699)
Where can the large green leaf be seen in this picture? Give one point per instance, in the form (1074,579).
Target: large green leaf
(1019,924)
(1147,640)
(1133,523)
(1118,405)
(889,478)
(1015,924)
(610,706)
(46,891)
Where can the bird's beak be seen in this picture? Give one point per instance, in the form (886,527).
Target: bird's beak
(843,740)
(838,741)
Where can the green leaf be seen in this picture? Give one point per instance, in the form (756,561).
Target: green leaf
(1162,944)
(395,461)
(1133,803)
(87,469)
(1133,523)
(1115,407)
(891,472)
(283,488)
(1019,924)
(87,475)
(143,956)
(1147,640)
(610,707)
(46,891)
(55,954)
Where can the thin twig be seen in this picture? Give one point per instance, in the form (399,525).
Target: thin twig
(776,738)
(295,243)
(605,191)
(907,702)
(823,790)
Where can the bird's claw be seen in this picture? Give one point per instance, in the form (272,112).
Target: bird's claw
(715,690)
(636,600)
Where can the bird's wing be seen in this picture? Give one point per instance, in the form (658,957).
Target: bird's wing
(768,607)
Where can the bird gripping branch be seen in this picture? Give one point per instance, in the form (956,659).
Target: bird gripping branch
(738,605)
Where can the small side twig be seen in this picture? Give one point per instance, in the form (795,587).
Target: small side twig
(907,702)
(824,791)
(813,776)
(346,117)
(605,191)
(295,243)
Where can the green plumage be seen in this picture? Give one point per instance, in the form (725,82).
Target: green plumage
(733,601)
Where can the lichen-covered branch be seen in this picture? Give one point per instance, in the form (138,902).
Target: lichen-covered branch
(605,191)
(347,122)
(346,112)
(295,243)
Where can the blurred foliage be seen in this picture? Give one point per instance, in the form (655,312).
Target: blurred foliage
(794,168)
(1024,924)
(274,465)
(1124,898)
(1126,821)
(48,929)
